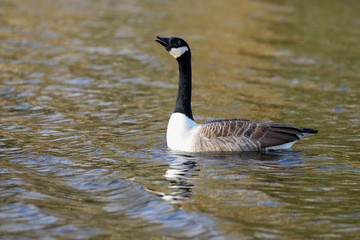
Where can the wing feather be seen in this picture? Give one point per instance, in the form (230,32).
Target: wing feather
(244,135)
(230,135)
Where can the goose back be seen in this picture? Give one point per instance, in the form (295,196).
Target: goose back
(245,135)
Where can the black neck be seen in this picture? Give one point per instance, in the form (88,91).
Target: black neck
(183,101)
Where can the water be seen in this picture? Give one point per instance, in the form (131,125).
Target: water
(85,96)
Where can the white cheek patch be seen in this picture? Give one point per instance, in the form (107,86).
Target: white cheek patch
(177,52)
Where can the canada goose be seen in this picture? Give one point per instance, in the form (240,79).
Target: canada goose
(184,134)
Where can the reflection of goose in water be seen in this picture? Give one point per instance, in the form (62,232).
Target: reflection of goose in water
(273,156)
(180,174)
(233,135)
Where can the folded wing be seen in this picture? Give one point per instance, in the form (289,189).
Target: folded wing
(246,135)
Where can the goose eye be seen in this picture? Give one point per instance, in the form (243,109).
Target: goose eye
(179,42)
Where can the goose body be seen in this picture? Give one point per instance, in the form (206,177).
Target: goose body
(231,135)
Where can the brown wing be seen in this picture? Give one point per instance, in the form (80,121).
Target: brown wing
(281,133)
(230,135)
(244,135)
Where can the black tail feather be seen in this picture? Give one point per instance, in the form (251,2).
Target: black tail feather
(310,130)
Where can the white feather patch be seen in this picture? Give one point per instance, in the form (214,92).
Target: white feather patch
(282,146)
(177,52)
(181,132)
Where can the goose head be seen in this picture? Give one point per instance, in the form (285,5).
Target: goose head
(177,47)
